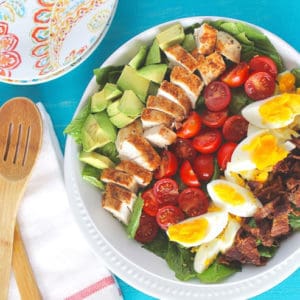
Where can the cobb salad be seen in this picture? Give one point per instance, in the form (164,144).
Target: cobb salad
(182,139)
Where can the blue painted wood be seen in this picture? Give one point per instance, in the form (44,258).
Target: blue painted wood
(62,95)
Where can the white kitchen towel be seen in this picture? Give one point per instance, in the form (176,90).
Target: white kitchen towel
(64,265)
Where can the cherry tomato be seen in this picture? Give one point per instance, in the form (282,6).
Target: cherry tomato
(193,201)
(147,229)
(208,141)
(217,96)
(184,149)
(168,215)
(150,203)
(260,85)
(235,128)
(214,119)
(168,165)
(188,175)
(166,191)
(263,63)
(237,75)
(191,126)
(203,166)
(224,154)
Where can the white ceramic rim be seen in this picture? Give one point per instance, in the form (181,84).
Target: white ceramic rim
(69,67)
(133,274)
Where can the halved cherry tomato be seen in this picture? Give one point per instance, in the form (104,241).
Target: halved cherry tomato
(217,96)
(208,141)
(224,154)
(151,204)
(193,201)
(237,75)
(166,191)
(184,149)
(260,85)
(168,215)
(191,126)
(203,166)
(168,165)
(214,119)
(147,229)
(235,128)
(188,175)
(263,63)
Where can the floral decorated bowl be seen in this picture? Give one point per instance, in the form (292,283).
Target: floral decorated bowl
(43,39)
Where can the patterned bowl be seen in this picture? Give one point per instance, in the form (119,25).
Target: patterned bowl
(43,39)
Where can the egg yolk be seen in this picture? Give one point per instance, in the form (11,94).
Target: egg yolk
(280,109)
(265,151)
(228,194)
(189,232)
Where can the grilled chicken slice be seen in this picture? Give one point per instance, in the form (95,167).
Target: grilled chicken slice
(205,37)
(177,55)
(160,136)
(175,94)
(138,149)
(119,201)
(110,175)
(211,67)
(228,46)
(134,128)
(142,176)
(167,106)
(152,117)
(189,82)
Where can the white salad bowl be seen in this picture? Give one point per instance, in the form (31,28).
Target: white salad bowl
(136,265)
(43,40)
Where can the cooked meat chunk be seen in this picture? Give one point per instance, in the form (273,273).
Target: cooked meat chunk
(160,136)
(142,176)
(205,37)
(152,117)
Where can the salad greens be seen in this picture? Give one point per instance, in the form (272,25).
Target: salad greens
(135,217)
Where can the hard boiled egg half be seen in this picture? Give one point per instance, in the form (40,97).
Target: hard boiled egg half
(275,112)
(233,198)
(198,230)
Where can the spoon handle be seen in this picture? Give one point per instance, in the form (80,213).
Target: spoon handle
(10,194)
(27,284)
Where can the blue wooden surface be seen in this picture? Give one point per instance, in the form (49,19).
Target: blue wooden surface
(62,95)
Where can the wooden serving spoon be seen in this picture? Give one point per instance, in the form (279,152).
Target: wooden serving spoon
(20,142)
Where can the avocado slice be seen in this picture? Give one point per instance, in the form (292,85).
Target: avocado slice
(154,55)
(113,108)
(130,79)
(97,131)
(121,120)
(189,43)
(130,104)
(155,72)
(96,160)
(138,60)
(101,99)
(170,36)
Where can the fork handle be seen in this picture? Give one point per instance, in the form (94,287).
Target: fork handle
(27,284)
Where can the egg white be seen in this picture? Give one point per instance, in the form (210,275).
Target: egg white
(248,206)
(216,223)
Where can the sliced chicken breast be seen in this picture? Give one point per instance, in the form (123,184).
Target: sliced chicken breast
(142,176)
(167,106)
(152,117)
(211,67)
(176,94)
(205,37)
(138,149)
(110,175)
(189,82)
(177,55)
(228,46)
(160,136)
(118,201)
